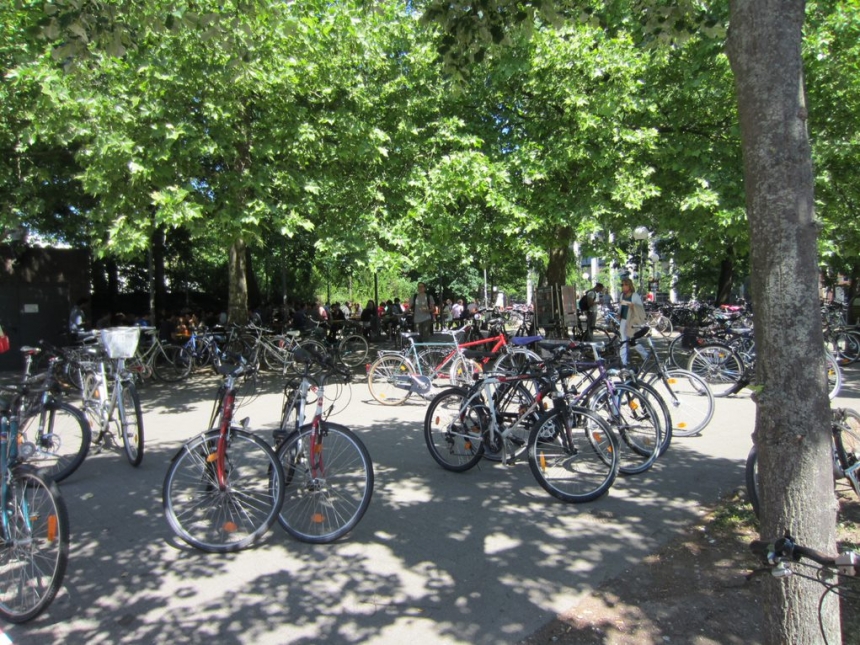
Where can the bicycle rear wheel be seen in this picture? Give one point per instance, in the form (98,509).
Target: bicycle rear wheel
(454,436)
(328,483)
(719,366)
(689,399)
(172,363)
(219,520)
(64,441)
(34,549)
(353,350)
(638,426)
(573,455)
(389,379)
(131,423)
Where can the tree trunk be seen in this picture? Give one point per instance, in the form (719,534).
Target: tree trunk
(237,301)
(556,270)
(727,279)
(792,417)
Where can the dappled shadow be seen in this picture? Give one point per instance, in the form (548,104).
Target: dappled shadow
(484,556)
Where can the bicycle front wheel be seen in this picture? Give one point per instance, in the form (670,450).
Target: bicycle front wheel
(689,398)
(64,440)
(452,434)
(573,455)
(172,363)
(328,483)
(221,519)
(389,379)
(34,549)
(633,417)
(131,423)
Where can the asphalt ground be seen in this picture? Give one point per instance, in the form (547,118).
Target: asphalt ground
(484,556)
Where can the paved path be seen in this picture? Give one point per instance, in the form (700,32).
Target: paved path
(480,557)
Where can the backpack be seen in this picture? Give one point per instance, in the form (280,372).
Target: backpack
(583,302)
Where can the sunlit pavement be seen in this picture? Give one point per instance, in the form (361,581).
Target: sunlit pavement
(480,557)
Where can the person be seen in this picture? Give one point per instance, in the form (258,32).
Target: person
(592,297)
(447,314)
(336,322)
(77,318)
(370,320)
(632,316)
(457,314)
(422,312)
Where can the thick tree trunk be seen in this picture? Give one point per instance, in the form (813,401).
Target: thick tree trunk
(793,418)
(237,301)
(556,270)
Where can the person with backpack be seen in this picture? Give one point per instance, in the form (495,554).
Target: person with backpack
(423,306)
(632,315)
(588,305)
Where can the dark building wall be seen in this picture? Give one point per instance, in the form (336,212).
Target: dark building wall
(37,289)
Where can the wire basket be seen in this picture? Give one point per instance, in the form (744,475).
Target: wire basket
(120,342)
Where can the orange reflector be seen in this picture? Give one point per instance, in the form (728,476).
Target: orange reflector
(467,444)
(634,405)
(52,528)
(542,462)
(317,448)
(682,425)
(672,381)
(230,527)
(211,457)
(436,421)
(317,518)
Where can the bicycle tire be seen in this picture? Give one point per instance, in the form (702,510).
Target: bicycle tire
(637,426)
(847,441)
(689,398)
(275,355)
(172,363)
(130,423)
(680,355)
(663,325)
(846,345)
(321,508)
(720,366)
(217,521)
(834,376)
(384,379)
(353,350)
(34,559)
(65,440)
(515,361)
(751,477)
(454,436)
(663,414)
(573,454)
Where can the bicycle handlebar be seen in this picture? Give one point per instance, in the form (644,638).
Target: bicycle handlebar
(785,550)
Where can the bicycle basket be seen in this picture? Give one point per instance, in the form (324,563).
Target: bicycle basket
(120,342)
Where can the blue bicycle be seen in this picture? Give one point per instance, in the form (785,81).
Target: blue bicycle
(34,531)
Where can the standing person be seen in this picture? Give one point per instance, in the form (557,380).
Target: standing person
(632,315)
(457,314)
(447,314)
(592,300)
(422,312)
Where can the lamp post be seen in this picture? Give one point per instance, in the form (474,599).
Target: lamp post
(640,234)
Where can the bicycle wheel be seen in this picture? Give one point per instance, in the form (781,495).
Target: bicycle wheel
(834,376)
(130,423)
(751,474)
(34,548)
(681,348)
(453,436)
(847,443)
(719,366)
(275,355)
(689,398)
(216,519)
(172,363)
(662,410)
(662,324)
(60,440)
(573,455)
(637,424)
(846,345)
(328,483)
(353,350)
(389,379)
(515,361)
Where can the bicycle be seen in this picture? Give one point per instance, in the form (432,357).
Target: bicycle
(110,397)
(845,428)
(785,557)
(328,472)
(224,488)
(54,435)
(34,532)
(167,362)
(461,425)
